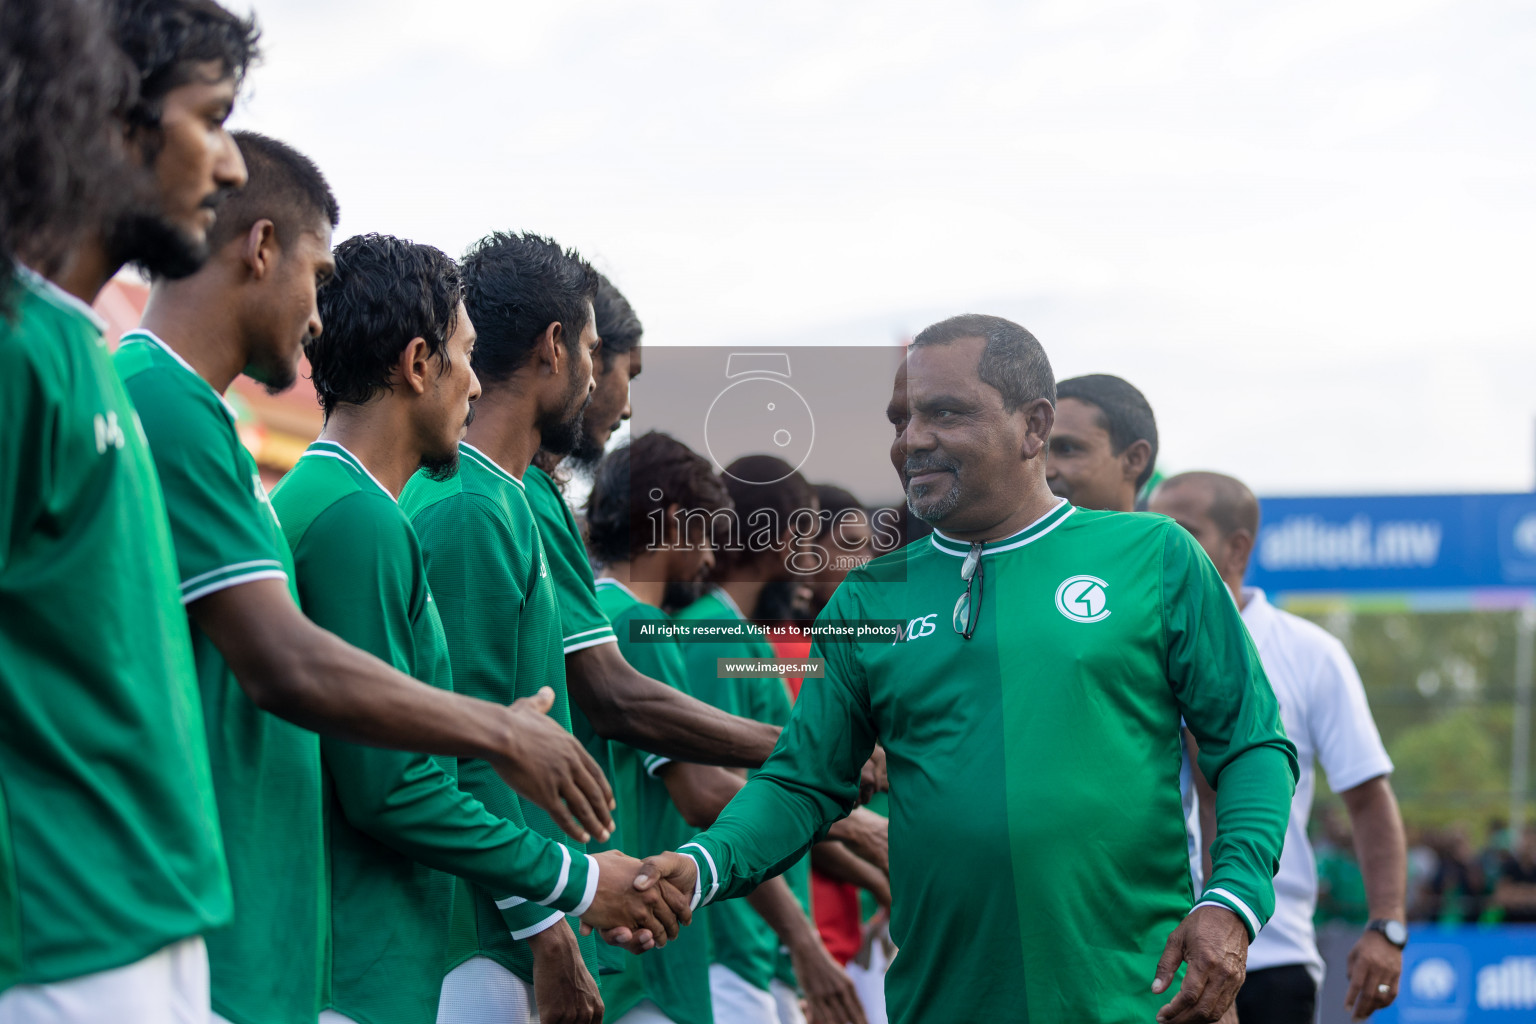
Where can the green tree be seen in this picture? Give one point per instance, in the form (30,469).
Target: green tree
(1441,687)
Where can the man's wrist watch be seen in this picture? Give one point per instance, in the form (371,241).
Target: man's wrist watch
(1394,932)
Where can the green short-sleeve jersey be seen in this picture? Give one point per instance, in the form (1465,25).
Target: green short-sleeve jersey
(266,967)
(675,978)
(1034,768)
(109,843)
(490,577)
(743,941)
(582,622)
(396,822)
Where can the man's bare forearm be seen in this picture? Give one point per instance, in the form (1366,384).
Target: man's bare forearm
(625,705)
(777,905)
(1380,845)
(700,791)
(354,696)
(837,862)
(300,672)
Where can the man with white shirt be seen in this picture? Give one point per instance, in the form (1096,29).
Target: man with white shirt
(1323,706)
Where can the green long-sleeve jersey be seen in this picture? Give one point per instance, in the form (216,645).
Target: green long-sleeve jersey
(396,823)
(1038,848)
(490,577)
(742,940)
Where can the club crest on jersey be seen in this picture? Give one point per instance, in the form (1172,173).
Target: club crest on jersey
(1083,599)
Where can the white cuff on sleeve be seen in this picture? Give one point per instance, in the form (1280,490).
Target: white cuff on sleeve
(1225,899)
(714,875)
(534,929)
(591,890)
(565,876)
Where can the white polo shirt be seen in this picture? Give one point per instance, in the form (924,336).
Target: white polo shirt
(1323,706)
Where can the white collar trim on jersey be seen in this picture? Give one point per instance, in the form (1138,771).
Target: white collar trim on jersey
(59,295)
(139,333)
(332,450)
(727,600)
(491,463)
(1034,531)
(610,581)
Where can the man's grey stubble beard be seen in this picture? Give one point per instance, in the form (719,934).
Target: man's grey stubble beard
(939,510)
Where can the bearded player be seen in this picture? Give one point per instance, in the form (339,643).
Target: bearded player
(110,862)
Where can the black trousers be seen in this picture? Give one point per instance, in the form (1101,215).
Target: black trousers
(1277,995)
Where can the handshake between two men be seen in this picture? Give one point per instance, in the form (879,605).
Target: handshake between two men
(640,905)
(636,910)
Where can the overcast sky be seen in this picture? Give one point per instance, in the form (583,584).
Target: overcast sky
(1305,230)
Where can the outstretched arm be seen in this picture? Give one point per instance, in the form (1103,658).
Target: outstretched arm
(811,781)
(626,705)
(298,671)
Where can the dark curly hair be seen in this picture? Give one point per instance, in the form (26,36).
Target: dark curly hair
(63,85)
(617,324)
(386,292)
(516,285)
(166,39)
(637,479)
(783,503)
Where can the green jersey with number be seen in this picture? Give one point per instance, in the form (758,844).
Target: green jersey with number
(266,967)
(1038,848)
(109,843)
(397,823)
(675,978)
(490,578)
(743,940)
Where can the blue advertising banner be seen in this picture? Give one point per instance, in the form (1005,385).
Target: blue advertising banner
(1466,975)
(1396,544)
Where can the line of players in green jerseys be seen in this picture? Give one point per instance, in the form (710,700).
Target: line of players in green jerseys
(378,748)
(209,796)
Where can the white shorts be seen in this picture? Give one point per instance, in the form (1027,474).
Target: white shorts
(167,987)
(481,991)
(869,983)
(737,1000)
(787,1000)
(645,1012)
